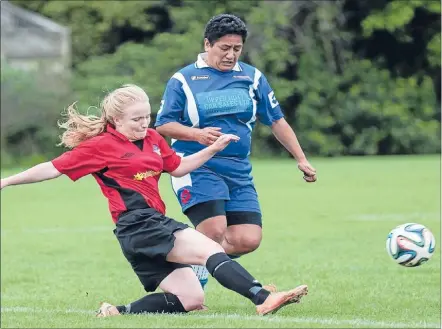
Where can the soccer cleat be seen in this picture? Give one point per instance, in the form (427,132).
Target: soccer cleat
(106,310)
(270,287)
(280,299)
(202,308)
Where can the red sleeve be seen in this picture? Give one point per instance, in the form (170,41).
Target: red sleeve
(171,160)
(80,161)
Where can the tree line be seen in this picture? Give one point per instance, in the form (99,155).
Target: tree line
(353,77)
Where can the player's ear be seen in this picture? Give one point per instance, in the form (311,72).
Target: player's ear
(117,121)
(207,45)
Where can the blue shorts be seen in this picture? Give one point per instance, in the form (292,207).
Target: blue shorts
(220,178)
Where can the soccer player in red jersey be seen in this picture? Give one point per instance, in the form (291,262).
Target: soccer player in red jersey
(126,158)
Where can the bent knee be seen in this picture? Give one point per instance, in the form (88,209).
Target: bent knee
(250,244)
(193,302)
(243,244)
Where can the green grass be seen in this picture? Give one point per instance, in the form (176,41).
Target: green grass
(59,257)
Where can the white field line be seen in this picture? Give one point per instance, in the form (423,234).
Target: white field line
(269,319)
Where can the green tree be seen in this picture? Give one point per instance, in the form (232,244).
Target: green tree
(343,87)
(153,63)
(398,19)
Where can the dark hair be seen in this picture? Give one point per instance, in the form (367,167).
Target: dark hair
(223,24)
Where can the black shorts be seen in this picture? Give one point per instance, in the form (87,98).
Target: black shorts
(202,211)
(146,237)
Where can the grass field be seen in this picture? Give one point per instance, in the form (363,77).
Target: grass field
(59,257)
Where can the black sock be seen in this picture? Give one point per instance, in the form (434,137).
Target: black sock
(233,276)
(153,303)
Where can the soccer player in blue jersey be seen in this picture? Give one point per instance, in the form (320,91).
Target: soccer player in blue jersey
(220,95)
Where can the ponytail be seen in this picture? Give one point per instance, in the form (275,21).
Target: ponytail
(80,127)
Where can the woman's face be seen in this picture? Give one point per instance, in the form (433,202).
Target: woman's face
(224,53)
(135,121)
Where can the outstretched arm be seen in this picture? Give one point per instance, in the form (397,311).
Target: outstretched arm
(194,161)
(205,136)
(41,172)
(287,137)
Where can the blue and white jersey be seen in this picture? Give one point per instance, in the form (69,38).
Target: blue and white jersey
(200,96)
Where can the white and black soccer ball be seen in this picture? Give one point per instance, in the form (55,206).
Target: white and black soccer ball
(410,244)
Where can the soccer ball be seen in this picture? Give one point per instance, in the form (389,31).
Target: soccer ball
(410,244)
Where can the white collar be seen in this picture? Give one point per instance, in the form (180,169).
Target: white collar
(200,63)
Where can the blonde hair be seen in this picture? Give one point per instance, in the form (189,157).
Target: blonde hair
(79,128)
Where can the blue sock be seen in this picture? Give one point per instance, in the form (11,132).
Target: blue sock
(203,282)
(201,273)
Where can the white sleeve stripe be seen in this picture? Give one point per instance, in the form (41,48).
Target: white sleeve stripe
(180,182)
(253,118)
(258,75)
(252,89)
(191,104)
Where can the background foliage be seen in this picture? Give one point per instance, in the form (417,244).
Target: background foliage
(354,77)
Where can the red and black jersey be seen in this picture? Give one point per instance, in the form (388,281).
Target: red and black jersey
(128,176)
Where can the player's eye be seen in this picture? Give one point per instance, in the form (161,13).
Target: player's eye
(140,118)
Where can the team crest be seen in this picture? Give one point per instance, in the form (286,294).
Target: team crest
(185,196)
(157,150)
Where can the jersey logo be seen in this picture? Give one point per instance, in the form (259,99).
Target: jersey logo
(199,77)
(146,174)
(127,155)
(156,149)
(217,103)
(273,102)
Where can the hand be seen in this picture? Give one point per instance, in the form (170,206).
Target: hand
(207,136)
(3,184)
(308,170)
(222,142)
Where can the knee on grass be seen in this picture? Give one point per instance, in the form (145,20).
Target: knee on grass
(192,302)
